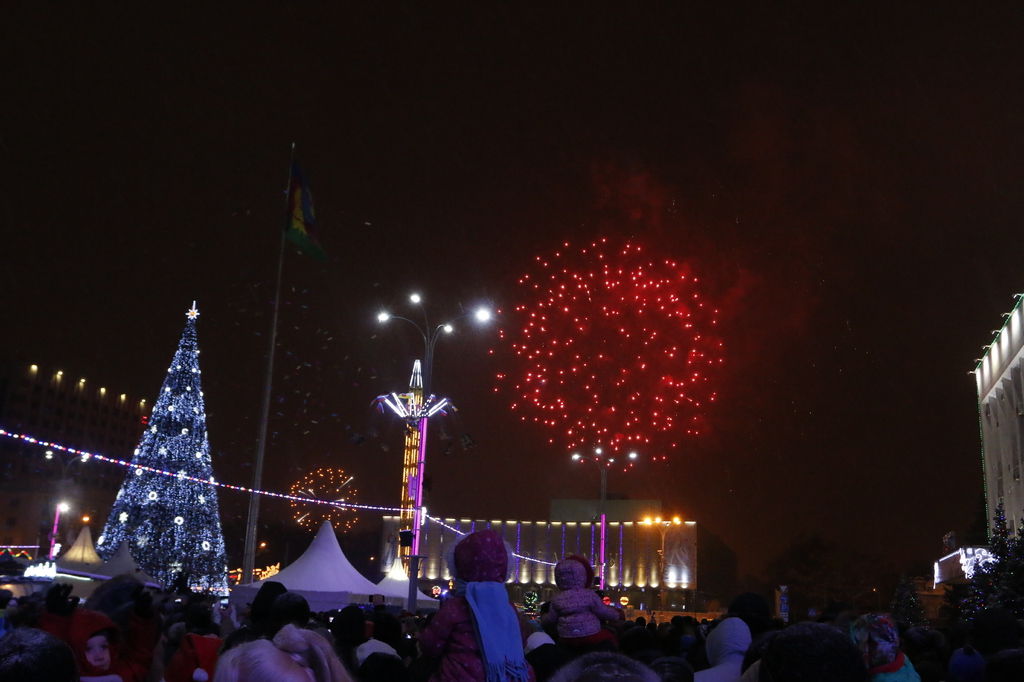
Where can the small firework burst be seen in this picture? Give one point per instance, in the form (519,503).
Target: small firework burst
(612,347)
(333,490)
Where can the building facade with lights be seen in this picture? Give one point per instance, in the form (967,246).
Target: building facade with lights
(634,552)
(53,405)
(1000,385)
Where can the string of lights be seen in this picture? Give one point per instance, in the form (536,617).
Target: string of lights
(173,474)
(238,488)
(517,556)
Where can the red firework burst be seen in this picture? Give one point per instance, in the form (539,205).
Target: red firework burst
(612,348)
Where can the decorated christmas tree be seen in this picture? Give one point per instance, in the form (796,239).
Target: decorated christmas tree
(906,607)
(172,522)
(998,581)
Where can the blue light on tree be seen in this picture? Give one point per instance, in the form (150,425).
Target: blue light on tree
(172,524)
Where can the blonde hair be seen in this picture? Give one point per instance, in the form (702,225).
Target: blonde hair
(295,655)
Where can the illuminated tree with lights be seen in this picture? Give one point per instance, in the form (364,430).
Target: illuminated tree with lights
(172,522)
(906,607)
(998,582)
(612,348)
(330,484)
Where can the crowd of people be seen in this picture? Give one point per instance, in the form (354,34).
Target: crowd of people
(126,633)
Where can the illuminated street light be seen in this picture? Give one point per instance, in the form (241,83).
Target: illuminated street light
(61,508)
(417,406)
(664,525)
(603,464)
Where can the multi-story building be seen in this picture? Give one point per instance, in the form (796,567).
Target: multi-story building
(56,406)
(1001,411)
(650,561)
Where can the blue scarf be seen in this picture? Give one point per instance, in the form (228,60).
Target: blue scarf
(497,630)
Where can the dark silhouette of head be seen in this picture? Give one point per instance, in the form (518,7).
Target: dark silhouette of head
(753,610)
(290,607)
(994,630)
(811,652)
(672,669)
(1005,666)
(260,609)
(387,628)
(30,654)
(604,665)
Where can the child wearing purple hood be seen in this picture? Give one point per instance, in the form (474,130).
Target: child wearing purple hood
(477,633)
(577,611)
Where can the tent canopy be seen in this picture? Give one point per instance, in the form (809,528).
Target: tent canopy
(395,586)
(323,575)
(81,555)
(122,563)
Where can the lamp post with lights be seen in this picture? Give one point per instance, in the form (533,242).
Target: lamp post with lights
(417,407)
(663,525)
(61,508)
(603,463)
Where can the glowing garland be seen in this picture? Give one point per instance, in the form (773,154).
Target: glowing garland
(517,556)
(229,486)
(184,477)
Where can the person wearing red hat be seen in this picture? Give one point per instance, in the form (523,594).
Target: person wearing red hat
(95,640)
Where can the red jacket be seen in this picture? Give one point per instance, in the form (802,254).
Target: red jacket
(194,652)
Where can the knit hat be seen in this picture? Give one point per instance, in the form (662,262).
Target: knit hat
(878,639)
(480,557)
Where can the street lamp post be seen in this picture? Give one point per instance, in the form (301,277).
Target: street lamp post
(663,525)
(603,463)
(418,407)
(61,508)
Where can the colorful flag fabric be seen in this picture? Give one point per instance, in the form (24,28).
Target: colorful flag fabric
(300,226)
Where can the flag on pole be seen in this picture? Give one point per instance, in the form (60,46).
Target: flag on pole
(300,225)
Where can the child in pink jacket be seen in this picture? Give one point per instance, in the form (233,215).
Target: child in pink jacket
(577,610)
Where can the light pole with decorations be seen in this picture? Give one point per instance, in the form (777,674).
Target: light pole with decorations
(415,407)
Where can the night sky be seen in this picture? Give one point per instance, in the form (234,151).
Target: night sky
(846,181)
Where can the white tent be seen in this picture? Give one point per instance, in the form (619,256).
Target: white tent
(122,563)
(81,556)
(395,587)
(323,575)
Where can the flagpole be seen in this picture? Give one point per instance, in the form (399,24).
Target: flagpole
(249,559)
